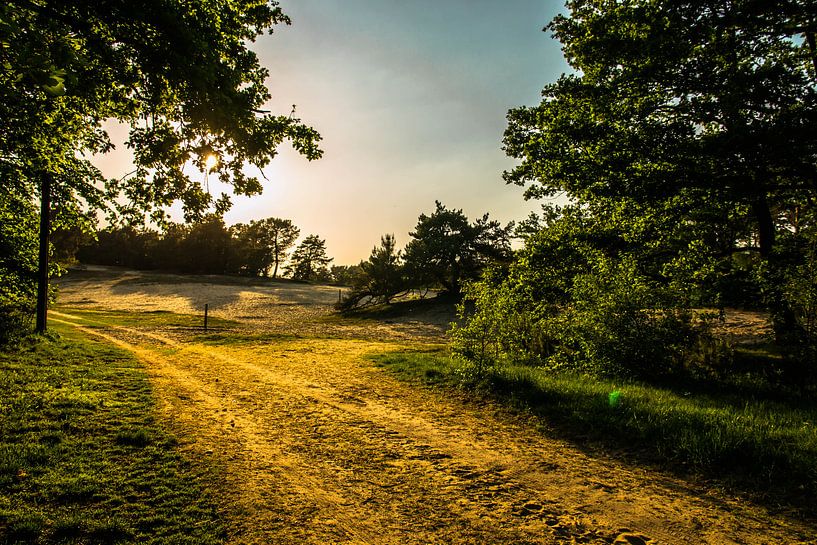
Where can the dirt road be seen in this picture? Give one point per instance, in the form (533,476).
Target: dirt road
(315,444)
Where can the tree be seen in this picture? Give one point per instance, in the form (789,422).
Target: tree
(180,74)
(383,270)
(709,107)
(265,244)
(207,247)
(346,275)
(591,291)
(279,236)
(446,248)
(18,265)
(380,279)
(309,260)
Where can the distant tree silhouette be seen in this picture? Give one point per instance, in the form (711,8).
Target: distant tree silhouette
(383,270)
(281,234)
(309,260)
(264,244)
(207,247)
(380,279)
(346,275)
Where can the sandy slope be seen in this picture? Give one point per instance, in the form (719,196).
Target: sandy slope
(316,445)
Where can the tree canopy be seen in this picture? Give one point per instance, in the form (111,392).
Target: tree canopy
(446,248)
(265,244)
(180,74)
(678,99)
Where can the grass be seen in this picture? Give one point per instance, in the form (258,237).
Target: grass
(753,440)
(82,458)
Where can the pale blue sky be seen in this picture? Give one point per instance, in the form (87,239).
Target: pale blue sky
(410,98)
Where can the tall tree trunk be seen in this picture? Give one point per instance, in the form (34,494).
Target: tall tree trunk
(765,225)
(275,270)
(784,321)
(42,271)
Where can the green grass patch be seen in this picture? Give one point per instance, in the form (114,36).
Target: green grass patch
(750,438)
(82,458)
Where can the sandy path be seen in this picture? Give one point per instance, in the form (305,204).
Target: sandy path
(314,444)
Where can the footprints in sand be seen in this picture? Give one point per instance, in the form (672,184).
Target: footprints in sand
(627,538)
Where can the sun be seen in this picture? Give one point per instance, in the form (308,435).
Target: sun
(210,161)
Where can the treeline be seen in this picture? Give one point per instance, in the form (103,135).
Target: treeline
(445,250)
(258,248)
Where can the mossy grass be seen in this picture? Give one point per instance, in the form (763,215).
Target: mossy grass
(83,458)
(747,434)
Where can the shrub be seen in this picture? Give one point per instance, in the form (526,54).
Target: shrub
(604,318)
(618,324)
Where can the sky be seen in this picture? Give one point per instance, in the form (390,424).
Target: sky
(410,99)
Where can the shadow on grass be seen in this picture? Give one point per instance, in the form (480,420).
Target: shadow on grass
(761,447)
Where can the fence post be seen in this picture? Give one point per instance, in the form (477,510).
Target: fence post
(205,316)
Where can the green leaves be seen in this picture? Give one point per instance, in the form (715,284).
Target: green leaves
(180,74)
(672,95)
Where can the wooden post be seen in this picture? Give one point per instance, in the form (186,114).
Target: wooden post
(42,271)
(339,297)
(205,316)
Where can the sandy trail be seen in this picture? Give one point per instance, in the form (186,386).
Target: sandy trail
(314,444)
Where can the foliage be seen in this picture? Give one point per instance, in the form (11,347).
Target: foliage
(207,246)
(380,279)
(18,266)
(265,244)
(346,275)
(82,457)
(309,260)
(181,75)
(446,248)
(800,289)
(617,326)
(706,107)
(683,141)
(591,292)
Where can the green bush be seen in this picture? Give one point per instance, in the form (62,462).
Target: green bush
(569,302)
(18,266)
(618,325)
